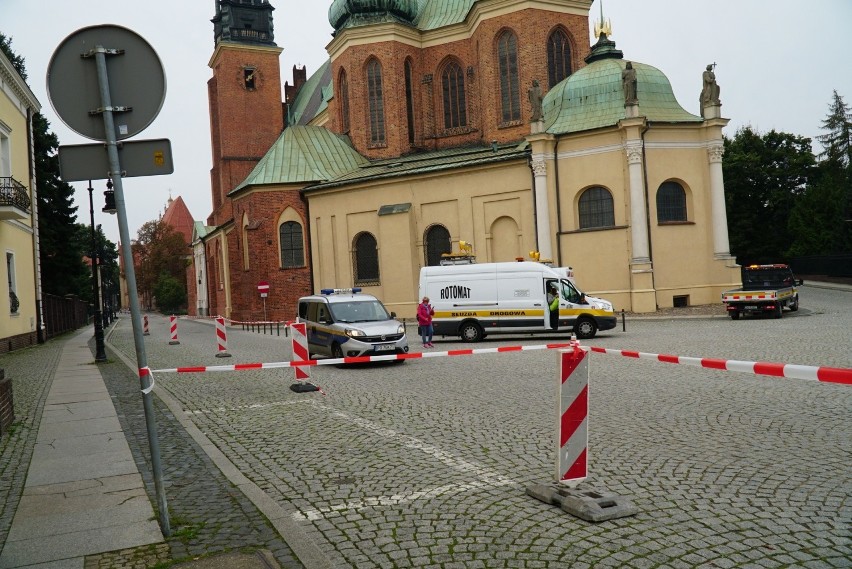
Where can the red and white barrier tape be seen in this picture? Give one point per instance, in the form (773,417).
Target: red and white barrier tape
(813,373)
(363,359)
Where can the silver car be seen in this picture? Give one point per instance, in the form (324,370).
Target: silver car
(345,323)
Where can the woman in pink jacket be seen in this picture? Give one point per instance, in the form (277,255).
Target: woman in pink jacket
(424,321)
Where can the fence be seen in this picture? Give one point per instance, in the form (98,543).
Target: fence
(828,265)
(63,314)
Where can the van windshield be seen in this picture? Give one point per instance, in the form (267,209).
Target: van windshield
(361,311)
(571,293)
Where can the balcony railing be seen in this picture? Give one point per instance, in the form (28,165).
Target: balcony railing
(14,193)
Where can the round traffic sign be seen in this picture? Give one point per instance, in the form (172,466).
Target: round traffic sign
(263,286)
(136,81)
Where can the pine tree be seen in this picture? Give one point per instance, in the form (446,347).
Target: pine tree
(837,142)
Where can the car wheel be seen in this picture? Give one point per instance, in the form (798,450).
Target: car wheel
(471,332)
(794,306)
(585,328)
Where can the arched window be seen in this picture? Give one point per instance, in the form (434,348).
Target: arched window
(343,88)
(510,90)
(437,242)
(558,57)
(596,209)
(671,202)
(409,100)
(452,85)
(375,96)
(365,260)
(292,245)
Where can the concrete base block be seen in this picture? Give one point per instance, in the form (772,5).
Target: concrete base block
(589,505)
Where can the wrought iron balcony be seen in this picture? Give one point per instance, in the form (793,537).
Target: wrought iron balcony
(14,199)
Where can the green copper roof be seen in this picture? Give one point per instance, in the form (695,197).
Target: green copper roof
(423,14)
(311,98)
(427,162)
(433,14)
(593,97)
(304,154)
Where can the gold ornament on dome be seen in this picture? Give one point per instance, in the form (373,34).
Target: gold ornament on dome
(603,27)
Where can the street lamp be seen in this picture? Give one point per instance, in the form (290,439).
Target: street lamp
(100,352)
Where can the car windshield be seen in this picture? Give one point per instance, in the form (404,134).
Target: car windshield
(361,311)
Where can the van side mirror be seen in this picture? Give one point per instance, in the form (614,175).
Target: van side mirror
(799,282)
(393,314)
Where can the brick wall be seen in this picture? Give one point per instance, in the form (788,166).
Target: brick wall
(263,211)
(7,403)
(246,118)
(12,343)
(477,56)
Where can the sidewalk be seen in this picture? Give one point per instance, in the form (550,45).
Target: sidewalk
(83,493)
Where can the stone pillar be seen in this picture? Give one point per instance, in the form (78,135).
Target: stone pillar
(542,208)
(721,247)
(638,216)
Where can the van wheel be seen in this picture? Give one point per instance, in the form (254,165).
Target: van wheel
(471,332)
(585,328)
(735,314)
(336,351)
(794,306)
(778,310)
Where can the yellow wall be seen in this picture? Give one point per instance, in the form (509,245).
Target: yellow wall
(17,236)
(489,206)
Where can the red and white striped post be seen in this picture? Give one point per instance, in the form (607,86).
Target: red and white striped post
(573,430)
(173,327)
(145,331)
(300,350)
(221,338)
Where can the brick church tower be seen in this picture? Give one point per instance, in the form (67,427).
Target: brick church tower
(246,111)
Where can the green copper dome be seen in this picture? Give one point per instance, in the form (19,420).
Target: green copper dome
(593,97)
(350,13)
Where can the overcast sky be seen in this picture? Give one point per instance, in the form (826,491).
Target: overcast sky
(778,62)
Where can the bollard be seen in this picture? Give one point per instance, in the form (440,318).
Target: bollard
(572,463)
(173,327)
(145,326)
(300,351)
(221,338)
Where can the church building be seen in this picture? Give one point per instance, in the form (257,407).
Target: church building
(436,122)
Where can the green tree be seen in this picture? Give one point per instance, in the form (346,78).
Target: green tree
(837,141)
(821,221)
(170,293)
(764,176)
(158,250)
(16,60)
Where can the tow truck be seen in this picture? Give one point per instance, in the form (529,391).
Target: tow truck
(766,289)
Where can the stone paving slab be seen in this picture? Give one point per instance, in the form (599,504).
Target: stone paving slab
(18,553)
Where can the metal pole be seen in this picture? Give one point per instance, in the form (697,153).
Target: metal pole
(100,351)
(145,379)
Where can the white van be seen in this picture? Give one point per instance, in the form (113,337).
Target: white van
(475,300)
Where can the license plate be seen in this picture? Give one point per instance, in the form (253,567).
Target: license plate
(750,307)
(384,347)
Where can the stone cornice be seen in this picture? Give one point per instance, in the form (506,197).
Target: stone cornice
(481,11)
(14,85)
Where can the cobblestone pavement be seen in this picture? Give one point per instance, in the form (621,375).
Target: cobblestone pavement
(424,464)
